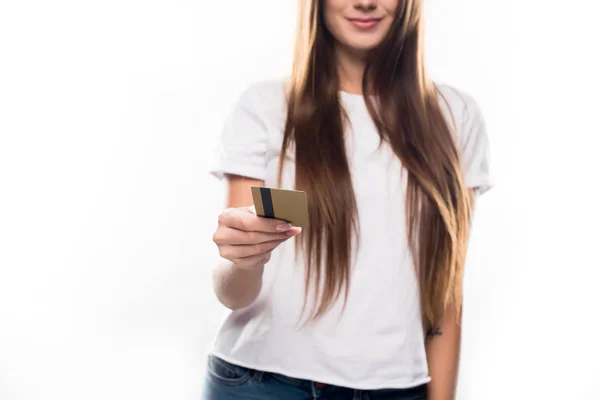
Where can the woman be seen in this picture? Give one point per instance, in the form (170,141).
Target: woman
(365,301)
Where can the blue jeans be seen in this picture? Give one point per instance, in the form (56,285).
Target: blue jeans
(226,381)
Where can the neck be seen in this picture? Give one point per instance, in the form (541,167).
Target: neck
(351,68)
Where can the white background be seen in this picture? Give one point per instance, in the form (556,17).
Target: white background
(109,116)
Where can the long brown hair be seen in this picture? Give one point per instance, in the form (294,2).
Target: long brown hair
(404,105)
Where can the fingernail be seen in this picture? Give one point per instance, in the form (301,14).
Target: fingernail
(252,209)
(293,234)
(283,227)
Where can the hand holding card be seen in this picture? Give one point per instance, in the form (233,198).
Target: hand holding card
(247,240)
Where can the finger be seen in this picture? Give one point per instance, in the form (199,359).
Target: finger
(296,230)
(247,250)
(231,236)
(246,221)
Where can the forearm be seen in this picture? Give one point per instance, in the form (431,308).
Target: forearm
(236,288)
(443,346)
(443,351)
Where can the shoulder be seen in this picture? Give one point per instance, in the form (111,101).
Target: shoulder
(263,95)
(460,103)
(471,134)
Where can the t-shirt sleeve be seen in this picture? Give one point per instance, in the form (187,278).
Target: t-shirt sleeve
(475,148)
(242,145)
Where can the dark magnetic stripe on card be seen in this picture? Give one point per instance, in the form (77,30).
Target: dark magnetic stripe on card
(267,201)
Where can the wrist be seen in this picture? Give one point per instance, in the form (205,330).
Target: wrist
(251,274)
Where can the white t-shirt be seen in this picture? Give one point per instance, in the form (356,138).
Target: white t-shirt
(378,342)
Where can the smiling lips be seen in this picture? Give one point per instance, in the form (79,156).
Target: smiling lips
(364,23)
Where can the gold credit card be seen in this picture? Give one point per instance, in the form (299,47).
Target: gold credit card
(283,204)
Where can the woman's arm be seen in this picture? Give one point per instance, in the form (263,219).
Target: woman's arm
(443,350)
(245,242)
(234,287)
(443,347)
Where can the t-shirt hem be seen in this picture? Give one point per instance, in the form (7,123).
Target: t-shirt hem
(481,186)
(248,171)
(331,381)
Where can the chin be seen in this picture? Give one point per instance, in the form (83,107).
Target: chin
(363,43)
(363,46)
